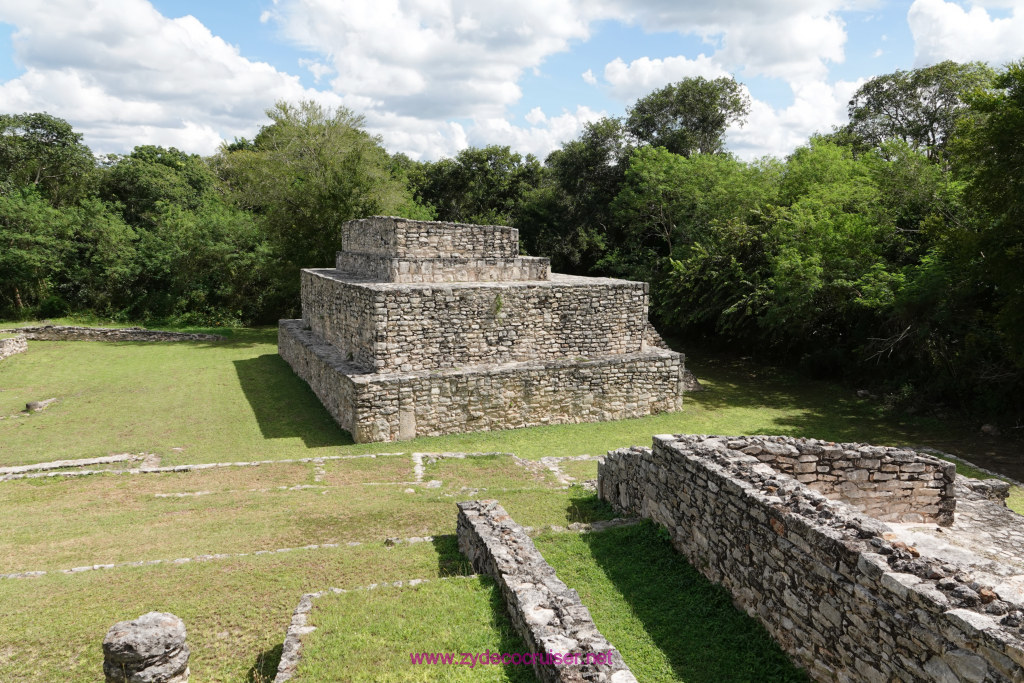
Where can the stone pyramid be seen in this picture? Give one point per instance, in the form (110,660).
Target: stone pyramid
(425,328)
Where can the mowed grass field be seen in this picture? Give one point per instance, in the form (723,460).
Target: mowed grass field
(213,530)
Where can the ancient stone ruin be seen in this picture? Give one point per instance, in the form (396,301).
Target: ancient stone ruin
(427,328)
(12,345)
(547,614)
(794,529)
(150,649)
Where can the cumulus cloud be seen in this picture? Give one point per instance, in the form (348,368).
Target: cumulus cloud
(433,59)
(627,82)
(817,106)
(125,75)
(789,39)
(945,30)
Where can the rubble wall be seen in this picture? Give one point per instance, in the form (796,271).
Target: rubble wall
(547,614)
(820,575)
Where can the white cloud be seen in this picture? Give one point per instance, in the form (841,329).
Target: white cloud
(589,77)
(944,30)
(789,39)
(433,59)
(433,140)
(817,106)
(878,53)
(641,76)
(315,67)
(125,75)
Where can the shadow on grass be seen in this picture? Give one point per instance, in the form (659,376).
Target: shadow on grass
(509,641)
(265,668)
(813,408)
(284,405)
(692,621)
(450,561)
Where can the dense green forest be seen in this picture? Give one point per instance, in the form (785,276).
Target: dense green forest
(889,251)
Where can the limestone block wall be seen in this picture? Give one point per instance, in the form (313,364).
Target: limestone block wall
(386,269)
(12,345)
(400,238)
(547,614)
(813,570)
(404,328)
(376,407)
(342,314)
(891,484)
(109,334)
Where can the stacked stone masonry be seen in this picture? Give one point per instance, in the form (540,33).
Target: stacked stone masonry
(110,334)
(842,599)
(547,614)
(12,345)
(508,345)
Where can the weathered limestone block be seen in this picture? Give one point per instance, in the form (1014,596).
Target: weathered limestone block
(389,327)
(395,406)
(150,649)
(547,614)
(12,345)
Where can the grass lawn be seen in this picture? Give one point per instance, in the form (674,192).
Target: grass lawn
(371,634)
(237,401)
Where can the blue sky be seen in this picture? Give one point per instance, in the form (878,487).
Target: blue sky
(434,76)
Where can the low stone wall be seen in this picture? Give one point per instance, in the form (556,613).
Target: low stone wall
(547,614)
(843,601)
(394,327)
(386,269)
(401,238)
(891,484)
(388,407)
(12,345)
(109,334)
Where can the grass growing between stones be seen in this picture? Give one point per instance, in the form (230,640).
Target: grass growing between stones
(61,523)
(668,622)
(368,636)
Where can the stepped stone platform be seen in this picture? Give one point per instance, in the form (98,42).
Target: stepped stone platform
(427,328)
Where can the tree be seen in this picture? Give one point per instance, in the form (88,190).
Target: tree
(690,116)
(990,157)
(480,185)
(44,151)
(33,241)
(305,174)
(151,175)
(921,107)
(568,217)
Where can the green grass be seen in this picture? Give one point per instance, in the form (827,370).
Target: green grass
(370,635)
(668,622)
(236,611)
(237,401)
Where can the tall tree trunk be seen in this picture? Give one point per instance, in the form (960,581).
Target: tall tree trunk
(17,299)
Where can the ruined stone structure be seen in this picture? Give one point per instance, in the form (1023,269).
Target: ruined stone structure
(109,334)
(12,345)
(547,614)
(780,523)
(427,328)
